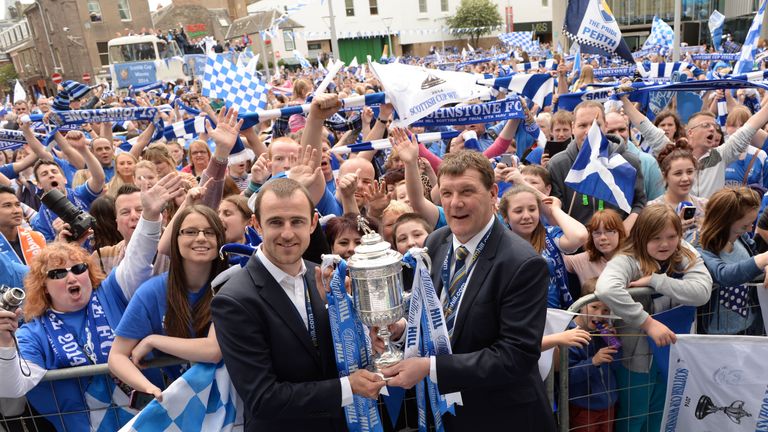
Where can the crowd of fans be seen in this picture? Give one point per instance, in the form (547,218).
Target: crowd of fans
(139,282)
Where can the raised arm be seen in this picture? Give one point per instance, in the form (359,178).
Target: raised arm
(408,151)
(142,141)
(78,142)
(323,106)
(224,135)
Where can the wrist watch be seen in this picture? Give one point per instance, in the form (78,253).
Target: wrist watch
(385,122)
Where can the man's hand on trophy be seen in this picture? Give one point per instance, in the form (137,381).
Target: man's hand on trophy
(366,383)
(323,282)
(408,372)
(397,329)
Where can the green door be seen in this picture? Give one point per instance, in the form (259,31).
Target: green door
(360,48)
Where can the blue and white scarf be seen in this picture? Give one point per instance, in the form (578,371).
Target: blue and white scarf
(71,350)
(351,347)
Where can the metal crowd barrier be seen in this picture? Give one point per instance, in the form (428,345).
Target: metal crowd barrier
(704,316)
(28,421)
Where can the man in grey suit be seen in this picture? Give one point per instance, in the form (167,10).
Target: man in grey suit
(495,306)
(273,328)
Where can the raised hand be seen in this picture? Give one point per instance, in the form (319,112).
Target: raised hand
(154,199)
(377,197)
(305,169)
(227,129)
(348,183)
(324,105)
(406,147)
(261,169)
(77,140)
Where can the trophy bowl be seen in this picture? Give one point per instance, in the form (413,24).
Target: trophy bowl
(377,290)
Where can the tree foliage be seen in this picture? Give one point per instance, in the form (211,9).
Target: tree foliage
(8,76)
(475,18)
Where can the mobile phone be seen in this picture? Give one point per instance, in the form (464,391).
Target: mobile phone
(140,399)
(689,212)
(507,160)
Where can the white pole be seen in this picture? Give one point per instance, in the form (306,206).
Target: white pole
(676,43)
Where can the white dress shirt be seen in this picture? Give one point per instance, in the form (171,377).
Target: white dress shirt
(293,286)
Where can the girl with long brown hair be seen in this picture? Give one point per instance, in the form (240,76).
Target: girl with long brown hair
(733,261)
(654,256)
(171,312)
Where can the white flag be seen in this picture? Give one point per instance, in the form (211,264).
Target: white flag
(717,383)
(19,93)
(417,92)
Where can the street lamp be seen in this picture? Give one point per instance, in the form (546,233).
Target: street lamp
(387,23)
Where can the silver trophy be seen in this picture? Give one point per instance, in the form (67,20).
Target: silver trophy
(377,289)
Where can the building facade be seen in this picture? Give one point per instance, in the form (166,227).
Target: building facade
(70,36)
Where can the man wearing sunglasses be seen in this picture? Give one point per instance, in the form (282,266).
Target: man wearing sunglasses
(704,136)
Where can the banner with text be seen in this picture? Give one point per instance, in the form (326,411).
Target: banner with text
(707,391)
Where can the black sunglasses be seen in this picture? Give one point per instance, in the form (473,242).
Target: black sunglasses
(61,273)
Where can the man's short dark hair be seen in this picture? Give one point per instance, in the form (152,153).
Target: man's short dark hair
(282,188)
(127,189)
(457,163)
(7,189)
(42,162)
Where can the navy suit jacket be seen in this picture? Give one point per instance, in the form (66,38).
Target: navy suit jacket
(285,382)
(496,339)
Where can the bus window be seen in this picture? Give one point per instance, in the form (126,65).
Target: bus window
(129,53)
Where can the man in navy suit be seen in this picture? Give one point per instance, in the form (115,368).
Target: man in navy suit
(495,307)
(273,328)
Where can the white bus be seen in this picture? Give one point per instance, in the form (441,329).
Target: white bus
(140,60)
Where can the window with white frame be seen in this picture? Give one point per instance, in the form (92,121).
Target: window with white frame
(124,10)
(288,40)
(422,6)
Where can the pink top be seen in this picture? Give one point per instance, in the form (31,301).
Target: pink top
(499,146)
(583,267)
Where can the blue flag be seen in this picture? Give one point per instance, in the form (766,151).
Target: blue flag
(592,25)
(749,49)
(599,174)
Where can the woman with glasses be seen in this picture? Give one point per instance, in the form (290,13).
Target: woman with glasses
(606,236)
(522,208)
(70,314)
(171,313)
(730,256)
(678,167)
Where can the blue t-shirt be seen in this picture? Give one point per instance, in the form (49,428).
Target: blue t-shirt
(67,168)
(109,171)
(7,170)
(82,196)
(328,205)
(12,273)
(146,312)
(67,396)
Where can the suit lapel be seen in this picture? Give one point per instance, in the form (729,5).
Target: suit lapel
(477,279)
(274,295)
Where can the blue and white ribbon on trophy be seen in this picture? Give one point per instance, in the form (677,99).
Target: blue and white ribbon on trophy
(351,347)
(427,335)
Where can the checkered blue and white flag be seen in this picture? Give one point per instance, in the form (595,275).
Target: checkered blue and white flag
(203,399)
(523,40)
(749,50)
(662,35)
(223,79)
(597,173)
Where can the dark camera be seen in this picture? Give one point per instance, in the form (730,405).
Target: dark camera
(10,297)
(79,221)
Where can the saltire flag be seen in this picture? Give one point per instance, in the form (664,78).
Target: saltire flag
(662,35)
(716,23)
(416,92)
(522,40)
(592,25)
(749,49)
(224,80)
(597,173)
(202,399)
